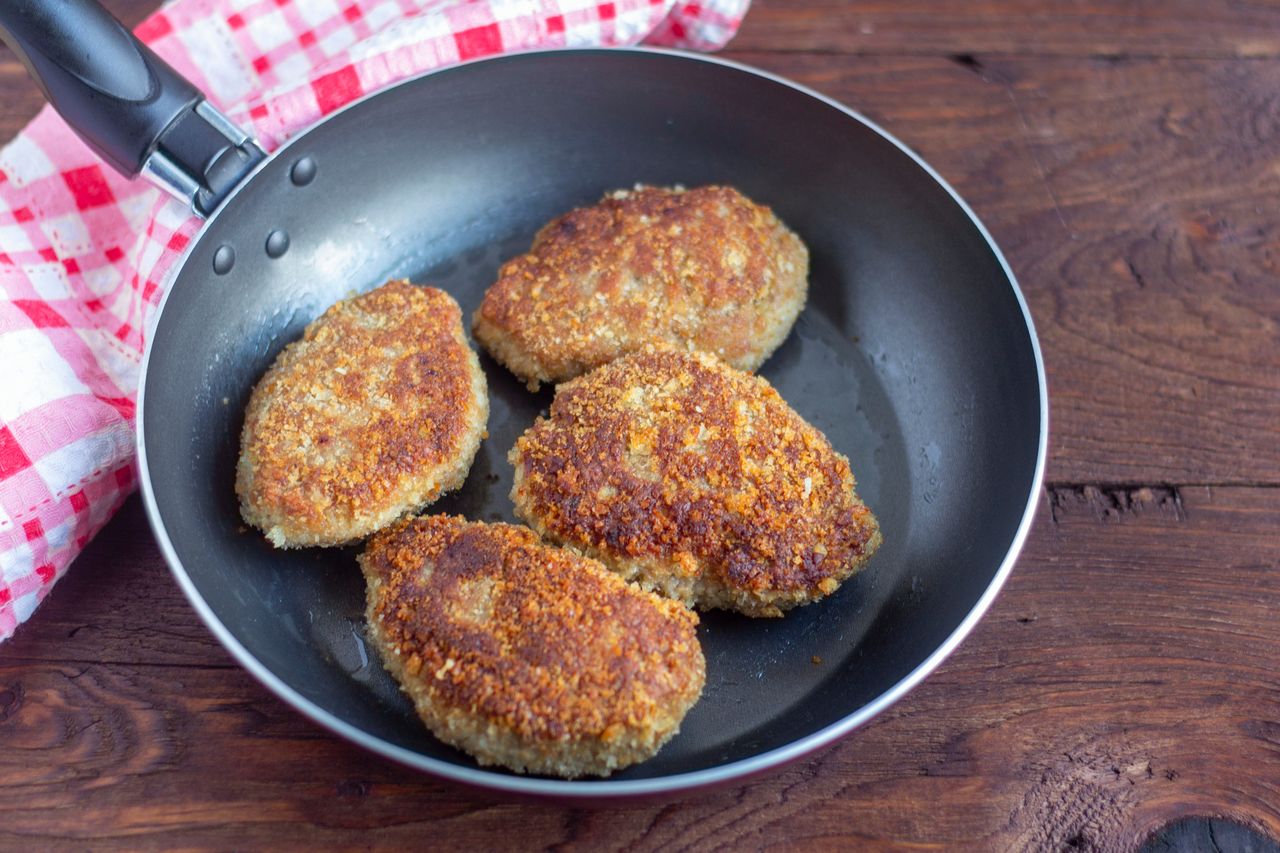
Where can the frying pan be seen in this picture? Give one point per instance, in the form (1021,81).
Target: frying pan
(915,354)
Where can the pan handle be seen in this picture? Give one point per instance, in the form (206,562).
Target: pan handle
(128,104)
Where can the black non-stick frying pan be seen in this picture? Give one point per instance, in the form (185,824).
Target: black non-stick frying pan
(915,355)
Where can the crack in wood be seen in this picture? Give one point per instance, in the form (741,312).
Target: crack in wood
(1085,798)
(1218,834)
(10,701)
(354,788)
(1137,275)
(24,660)
(1114,501)
(968,61)
(1213,838)
(1028,141)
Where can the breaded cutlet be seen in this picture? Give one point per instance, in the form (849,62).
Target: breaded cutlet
(374,413)
(524,655)
(696,480)
(704,269)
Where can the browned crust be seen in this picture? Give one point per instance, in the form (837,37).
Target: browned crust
(704,269)
(376,411)
(696,479)
(527,655)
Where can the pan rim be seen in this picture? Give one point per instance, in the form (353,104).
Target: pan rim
(605,789)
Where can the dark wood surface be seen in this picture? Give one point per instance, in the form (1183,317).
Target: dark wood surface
(1126,156)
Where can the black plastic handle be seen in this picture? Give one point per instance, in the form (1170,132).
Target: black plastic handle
(128,104)
(118,95)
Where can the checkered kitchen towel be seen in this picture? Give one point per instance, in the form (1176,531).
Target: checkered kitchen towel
(84,253)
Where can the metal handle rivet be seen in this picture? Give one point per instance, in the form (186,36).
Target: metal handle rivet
(277,243)
(224,258)
(303,172)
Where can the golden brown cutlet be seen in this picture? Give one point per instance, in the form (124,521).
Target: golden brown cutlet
(524,655)
(374,413)
(696,480)
(703,269)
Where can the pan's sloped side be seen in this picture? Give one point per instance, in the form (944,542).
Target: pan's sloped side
(915,355)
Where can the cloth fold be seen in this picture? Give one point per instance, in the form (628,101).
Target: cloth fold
(85,254)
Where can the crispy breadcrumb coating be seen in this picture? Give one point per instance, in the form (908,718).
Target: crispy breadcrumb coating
(525,655)
(698,481)
(374,413)
(703,269)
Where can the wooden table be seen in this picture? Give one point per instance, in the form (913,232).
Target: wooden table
(1126,156)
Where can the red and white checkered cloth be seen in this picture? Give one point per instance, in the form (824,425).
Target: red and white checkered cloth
(84,254)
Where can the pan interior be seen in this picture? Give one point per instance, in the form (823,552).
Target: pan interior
(913,355)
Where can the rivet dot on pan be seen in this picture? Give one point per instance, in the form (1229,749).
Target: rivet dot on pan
(224,258)
(303,172)
(277,243)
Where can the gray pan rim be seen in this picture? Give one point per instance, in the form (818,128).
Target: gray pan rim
(606,789)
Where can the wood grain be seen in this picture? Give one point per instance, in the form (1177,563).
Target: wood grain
(1133,28)
(1159,28)
(1126,156)
(1123,678)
